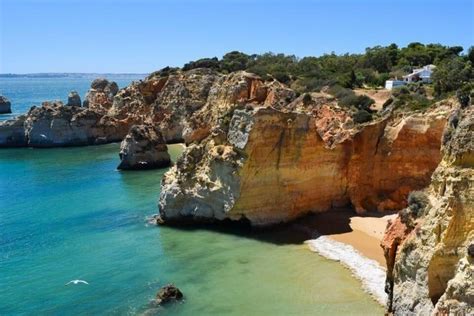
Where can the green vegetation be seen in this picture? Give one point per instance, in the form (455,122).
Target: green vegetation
(417,202)
(412,97)
(370,69)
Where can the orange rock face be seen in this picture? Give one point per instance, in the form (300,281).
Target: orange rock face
(287,164)
(392,158)
(430,266)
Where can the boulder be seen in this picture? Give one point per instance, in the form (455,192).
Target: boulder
(5,105)
(143,148)
(168,293)
(73,99)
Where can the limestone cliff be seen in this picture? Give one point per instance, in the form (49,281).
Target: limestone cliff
(430,252)
(143,148)
(269,166)
(184,105)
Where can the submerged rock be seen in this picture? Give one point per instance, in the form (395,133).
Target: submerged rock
(73,99)
(143,148)
(5,105)
(167,294)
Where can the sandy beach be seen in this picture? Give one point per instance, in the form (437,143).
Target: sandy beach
(354,241)
(363,233)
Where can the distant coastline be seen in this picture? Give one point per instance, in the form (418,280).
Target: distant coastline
(69,75)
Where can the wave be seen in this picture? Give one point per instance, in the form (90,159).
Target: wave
(368,271)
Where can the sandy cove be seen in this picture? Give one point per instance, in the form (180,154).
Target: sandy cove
(354,241)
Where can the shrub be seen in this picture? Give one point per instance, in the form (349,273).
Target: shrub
(212,63)
(307,99)
(417,203)
(464,95)
(407,218)
(387,103)
(361,116)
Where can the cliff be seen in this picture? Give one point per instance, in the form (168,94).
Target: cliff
(183,105)
(430,249)
(269,166)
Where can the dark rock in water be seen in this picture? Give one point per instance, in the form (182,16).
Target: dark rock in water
(5,105)
(168,293)
(73,99)
(143,148)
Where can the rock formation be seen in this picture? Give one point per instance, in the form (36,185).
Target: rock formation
(101,94)
(184,105)
(167,294)
(143,148)
(269,166)
(5,105)
(430,267)
(56,125)
(73,99)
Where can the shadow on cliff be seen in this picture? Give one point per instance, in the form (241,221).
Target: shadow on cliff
(296,232)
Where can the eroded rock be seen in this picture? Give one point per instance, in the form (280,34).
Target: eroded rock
(274,166)
(143,148)
(5,105)
(168,293)
(73,99)
(429,270)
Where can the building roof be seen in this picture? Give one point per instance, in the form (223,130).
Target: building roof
(419,70)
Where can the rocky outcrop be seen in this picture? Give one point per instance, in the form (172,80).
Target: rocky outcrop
(101,94)
(143,148)
(167,294)
(12,133)
(268,166)
(56,125)
(430,269)
(5,105)
(73,99)
(184,105)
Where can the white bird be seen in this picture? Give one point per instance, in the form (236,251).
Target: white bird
(77,282)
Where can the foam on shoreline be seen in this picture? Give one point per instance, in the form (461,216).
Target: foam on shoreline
(368,271)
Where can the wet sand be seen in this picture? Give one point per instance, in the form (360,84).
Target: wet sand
(364,233)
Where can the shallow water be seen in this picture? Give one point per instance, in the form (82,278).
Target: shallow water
(68,214)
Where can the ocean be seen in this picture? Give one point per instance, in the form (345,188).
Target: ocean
(67,213)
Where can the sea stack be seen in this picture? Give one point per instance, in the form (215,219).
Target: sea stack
(143,148)
(73,99)
(5,105)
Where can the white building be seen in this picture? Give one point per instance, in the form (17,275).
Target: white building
(420,74)
(390,84)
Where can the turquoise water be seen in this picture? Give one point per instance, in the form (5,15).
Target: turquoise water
(23,93)
(67,213)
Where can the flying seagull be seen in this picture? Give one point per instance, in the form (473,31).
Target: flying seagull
(77,282)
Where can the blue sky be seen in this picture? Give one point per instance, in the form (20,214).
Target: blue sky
(142,36)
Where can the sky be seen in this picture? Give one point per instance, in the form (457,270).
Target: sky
(127,36)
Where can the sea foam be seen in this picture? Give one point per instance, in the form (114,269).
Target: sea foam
(368,271)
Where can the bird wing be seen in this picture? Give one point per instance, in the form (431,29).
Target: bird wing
(82,281)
